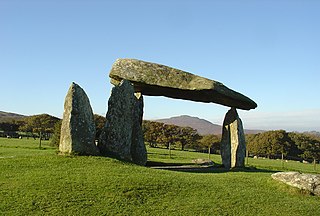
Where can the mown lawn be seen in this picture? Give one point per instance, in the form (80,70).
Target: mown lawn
(38,182)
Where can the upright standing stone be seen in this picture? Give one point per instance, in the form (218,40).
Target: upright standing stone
(122,136)
(233,146)
(78,128)
(138,148)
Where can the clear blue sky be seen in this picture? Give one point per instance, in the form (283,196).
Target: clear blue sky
(267,50)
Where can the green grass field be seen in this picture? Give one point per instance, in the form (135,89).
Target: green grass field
(37,181)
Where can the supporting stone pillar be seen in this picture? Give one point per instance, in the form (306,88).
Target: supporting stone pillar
(138,148)
(233,146)
(122,136)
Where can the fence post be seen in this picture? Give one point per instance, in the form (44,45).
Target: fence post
(247,156)
(40,137)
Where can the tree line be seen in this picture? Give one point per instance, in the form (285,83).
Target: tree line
(31,126)
(271,144)
(41,126)
(157,134)
(279,143)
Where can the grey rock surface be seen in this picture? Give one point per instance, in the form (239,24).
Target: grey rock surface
(308,182)
(201,161)
(160,80)
(78,128)
(233,146)
(138,148)
(122,136)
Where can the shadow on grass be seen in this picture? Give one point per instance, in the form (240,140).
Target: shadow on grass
(192,168)
(153,164)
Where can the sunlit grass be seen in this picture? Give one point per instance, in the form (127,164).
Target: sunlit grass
(35,183)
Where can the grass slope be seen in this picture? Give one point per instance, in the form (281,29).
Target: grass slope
(39,182)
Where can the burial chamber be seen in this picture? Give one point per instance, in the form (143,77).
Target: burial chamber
(133,78)
(122,135)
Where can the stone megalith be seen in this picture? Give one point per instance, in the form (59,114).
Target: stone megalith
(160,80)
(122,135)
(78,128)
(233,146)
(138,148)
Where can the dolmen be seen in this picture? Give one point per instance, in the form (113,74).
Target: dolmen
(122,135)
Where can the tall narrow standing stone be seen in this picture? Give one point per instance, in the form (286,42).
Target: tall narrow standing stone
(138,148)
(78,128)
(233,146)
(122,136)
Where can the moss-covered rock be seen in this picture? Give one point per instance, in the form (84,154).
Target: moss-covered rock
(160,80)
(78,128)
(122,135)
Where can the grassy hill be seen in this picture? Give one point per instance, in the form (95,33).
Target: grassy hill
(38,182)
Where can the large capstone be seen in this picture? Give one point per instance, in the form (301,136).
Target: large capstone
(78,128)
(233,146)
(308,182)
(160,80)
(122,136)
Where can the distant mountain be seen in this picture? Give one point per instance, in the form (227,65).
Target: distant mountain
(314,133)
(253,131)
(203,126)
(6,116)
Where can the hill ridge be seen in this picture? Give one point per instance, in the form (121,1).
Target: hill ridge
(203,126)
(9,116)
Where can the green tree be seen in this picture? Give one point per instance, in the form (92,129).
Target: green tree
(152,132)
(55,141)
(270,143)
(42,124)
(100,122)
(186,136)
(308,144)
(10,127)
(277,142)
(168,135)
(210,142)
